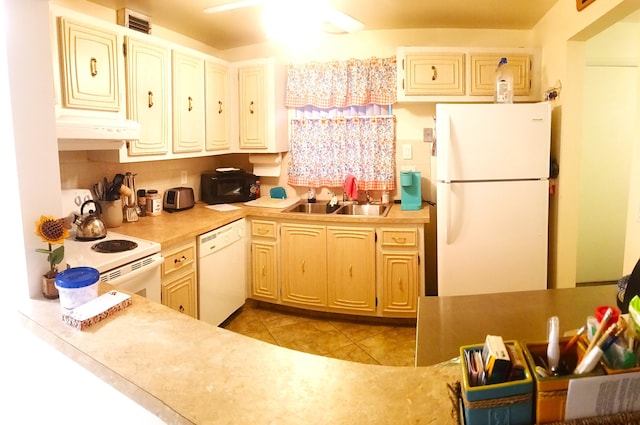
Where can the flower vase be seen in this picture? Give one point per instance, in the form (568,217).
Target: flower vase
(49,289)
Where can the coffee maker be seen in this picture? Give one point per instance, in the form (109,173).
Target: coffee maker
(410,190)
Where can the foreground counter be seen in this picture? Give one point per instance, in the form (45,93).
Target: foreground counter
(189,372)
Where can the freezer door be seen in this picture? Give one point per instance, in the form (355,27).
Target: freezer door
(492,237)
(492,141)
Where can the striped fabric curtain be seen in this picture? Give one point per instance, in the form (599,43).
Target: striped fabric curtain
(339,84)
(324,151)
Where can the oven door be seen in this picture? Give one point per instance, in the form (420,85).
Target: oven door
(140,277)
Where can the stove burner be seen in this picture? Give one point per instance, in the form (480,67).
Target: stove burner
(114,245)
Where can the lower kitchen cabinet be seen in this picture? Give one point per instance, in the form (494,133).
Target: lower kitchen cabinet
(351,269)
(264,260)
(399,259)
(304,265)
(179,282)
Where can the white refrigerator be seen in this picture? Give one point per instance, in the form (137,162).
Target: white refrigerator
(492,172)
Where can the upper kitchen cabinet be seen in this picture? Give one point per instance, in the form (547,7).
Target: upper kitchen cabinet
(188,103)
(262,116)
(88,66)
(464,74)
(483,68)
(433,74)
(217,117)
(148,102)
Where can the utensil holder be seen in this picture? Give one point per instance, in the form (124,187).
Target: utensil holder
(111,213)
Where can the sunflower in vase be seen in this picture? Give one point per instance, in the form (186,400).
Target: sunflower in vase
(53,231)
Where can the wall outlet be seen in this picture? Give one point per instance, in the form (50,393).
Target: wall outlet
(406,151)
(427,135)
(183,177)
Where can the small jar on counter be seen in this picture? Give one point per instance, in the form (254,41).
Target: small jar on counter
(142,202)
(154,202)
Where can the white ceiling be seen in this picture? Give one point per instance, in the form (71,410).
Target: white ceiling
(242,27)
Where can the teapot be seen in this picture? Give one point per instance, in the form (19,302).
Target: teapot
(90,226)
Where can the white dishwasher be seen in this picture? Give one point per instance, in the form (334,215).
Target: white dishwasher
(221,272)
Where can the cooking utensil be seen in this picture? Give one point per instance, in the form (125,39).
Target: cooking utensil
(90,226)
(130,210)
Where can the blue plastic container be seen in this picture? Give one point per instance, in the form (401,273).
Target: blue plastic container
(77,286)
(506,403)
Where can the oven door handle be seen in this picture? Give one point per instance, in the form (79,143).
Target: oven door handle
(136,272)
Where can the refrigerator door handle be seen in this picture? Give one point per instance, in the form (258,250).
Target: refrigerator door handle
(447,208)
(443,125)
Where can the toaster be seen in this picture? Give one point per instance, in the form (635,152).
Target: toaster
(178,199)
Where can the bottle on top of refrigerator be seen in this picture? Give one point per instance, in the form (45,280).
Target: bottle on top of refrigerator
(504,83)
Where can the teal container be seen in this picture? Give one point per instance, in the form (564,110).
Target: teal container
(410,190)
(506,403)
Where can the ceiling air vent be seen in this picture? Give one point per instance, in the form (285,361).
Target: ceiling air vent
(134,20)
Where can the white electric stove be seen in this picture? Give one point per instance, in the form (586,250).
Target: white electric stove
(125,262)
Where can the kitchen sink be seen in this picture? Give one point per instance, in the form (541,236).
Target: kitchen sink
(376,210)
(371,210)
(307,208)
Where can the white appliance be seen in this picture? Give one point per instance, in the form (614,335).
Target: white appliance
(90,133)
(221,272)
(492,197)
(134,266)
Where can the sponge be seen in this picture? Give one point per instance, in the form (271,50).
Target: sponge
(278,193)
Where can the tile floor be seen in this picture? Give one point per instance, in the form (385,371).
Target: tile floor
(357,341)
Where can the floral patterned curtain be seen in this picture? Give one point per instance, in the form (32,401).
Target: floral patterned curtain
(324,151)
(339,84)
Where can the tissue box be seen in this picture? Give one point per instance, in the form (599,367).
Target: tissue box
(505,403)
(551,392)
(96,310)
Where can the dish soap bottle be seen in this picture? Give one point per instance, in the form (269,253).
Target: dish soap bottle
(384,198)
(311,196)
(504,83)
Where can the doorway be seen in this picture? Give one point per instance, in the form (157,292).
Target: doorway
(610,95)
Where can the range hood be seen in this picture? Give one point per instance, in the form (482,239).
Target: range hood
(90,133)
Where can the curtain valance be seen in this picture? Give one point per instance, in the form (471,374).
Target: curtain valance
(339,84)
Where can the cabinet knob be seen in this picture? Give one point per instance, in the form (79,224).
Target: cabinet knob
(219,107)
(435,73)
(190,103)
(181,308)
(399,240)
(150,98)
(179,260)
(251,107)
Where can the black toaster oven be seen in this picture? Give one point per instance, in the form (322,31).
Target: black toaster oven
(227,186)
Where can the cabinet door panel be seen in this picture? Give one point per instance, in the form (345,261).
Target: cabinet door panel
(483,74)
(188,103)
(351,269)
(180,295)
(216,107)
(304,265)
(147,70)
(264,270)
(89,67)
(252,107)
(434,74)
(400,283)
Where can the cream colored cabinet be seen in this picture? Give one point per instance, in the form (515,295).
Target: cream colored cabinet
(351,269)
(179,282)
(464,74)
(188,103)
(304,265)
(88,66)
(400,271)
(264,260)
(217,119)
(433,74)
(262,117)
(148,102)
(483,71)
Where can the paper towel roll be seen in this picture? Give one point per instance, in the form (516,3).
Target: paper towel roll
(266,164)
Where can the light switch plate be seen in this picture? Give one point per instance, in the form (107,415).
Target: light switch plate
(406,151)
(427,135)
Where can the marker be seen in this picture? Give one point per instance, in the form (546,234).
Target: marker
(592,358)
(603,325)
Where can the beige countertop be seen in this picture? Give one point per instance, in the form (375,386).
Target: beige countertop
(188,372)
(169,228)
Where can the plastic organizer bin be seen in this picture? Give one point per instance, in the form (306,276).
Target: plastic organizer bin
(506,403)
(551,392)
